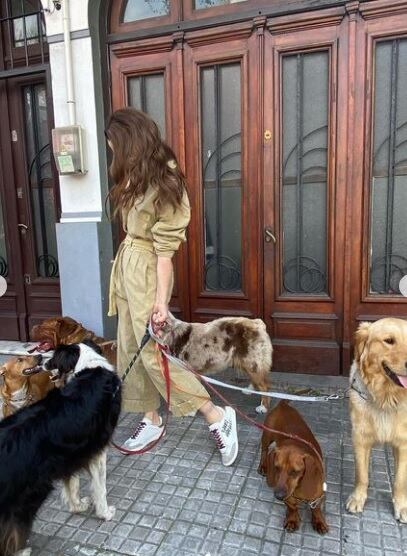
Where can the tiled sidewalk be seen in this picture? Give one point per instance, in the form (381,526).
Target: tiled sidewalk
(179,500)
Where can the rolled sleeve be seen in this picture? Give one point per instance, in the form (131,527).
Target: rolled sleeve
(170,229)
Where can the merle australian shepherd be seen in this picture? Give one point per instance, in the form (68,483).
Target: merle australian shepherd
(54,439)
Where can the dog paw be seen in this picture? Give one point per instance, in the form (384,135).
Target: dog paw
(356,502)
(83,506)
(261,409)
(400,512)
(292,523)
(320,526)
(108,514)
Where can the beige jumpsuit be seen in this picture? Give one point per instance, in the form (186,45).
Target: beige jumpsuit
(150,232)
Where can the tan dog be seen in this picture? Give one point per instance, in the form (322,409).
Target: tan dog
(19,388)
(293,468)
(378,406)
(214,346)
(65,330)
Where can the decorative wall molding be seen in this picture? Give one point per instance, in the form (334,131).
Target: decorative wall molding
(307,20)
(148,46)
(214,35)
(373,10)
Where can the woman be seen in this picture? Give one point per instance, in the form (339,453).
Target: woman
(150,195)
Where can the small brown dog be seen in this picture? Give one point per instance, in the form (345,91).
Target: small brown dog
(19,388)
(293,468)
(65,330)
(214,346)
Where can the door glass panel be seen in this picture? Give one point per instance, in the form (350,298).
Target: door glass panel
(40,179)
(29,25)
(146,93)
(203,4)
(143,9)
(221,168)
(304,172)
(388,243)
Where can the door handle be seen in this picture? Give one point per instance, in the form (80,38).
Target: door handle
(268,235)
(23,228)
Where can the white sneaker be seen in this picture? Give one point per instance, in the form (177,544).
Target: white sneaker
(144,434)
(225,435)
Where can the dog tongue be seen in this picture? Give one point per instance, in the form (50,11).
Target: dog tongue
(41,347)
(403,380)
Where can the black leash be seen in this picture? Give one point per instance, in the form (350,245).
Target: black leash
(144,341)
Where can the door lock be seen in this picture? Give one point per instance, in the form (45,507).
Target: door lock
(268,235)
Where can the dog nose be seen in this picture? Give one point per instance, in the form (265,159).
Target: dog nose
(280,493)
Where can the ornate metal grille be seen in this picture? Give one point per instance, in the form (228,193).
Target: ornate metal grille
(304,192)
(221,164)
(389,177)
(22,30)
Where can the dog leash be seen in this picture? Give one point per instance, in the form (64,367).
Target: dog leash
(167,356)
(214,381)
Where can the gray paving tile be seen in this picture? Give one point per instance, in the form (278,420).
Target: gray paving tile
(179,501)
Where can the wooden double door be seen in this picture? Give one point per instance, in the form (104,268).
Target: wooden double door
(28,207)
(293,134)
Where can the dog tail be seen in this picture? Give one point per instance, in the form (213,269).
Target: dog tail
(13,537)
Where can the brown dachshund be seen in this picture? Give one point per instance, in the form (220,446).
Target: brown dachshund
(65,330)
(293,468)
(19,388)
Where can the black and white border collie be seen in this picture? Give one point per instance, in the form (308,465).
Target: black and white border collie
(56,438)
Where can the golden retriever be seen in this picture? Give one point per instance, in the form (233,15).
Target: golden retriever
(378,406)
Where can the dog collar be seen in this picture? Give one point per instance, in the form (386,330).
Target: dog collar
(359,386)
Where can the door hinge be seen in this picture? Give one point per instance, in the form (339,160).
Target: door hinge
(14,136)
(27,279)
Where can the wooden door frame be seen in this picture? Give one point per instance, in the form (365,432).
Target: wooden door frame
(378,23)
(305,324)
(234,43)
(27,308)
(12,304)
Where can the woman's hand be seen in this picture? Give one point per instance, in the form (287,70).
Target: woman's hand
(160,313)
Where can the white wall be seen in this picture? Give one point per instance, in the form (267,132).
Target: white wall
(81,198)
(84,236)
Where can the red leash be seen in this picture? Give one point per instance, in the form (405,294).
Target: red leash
(164,350)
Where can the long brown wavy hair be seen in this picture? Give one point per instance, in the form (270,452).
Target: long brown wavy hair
(141,159)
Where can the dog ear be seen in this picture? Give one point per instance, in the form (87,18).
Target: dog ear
(271,472)
(361,336)
(93,345)
(308,487)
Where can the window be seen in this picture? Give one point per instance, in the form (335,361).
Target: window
(29,25)
(388,238)
(135,10)
(204,4)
